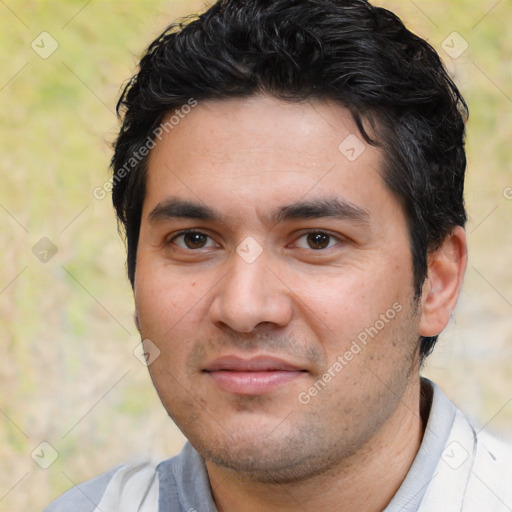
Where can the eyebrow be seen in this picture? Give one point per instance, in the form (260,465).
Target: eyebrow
(179,209)
(316,209)
(174,208)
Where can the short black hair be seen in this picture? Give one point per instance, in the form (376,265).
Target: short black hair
(348,51)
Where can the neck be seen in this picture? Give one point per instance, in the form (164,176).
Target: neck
(365,481)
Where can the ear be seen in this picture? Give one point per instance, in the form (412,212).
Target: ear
(136,320)
(446,267)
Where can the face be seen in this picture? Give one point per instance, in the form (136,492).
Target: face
(274,275)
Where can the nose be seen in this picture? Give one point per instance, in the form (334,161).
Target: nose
(251,294)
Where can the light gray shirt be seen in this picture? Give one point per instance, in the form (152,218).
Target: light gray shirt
(454,470)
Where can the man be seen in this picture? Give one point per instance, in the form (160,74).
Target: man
(289,175)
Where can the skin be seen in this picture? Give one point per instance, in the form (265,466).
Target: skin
(197,299)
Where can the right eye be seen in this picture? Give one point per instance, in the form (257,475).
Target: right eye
(193,240)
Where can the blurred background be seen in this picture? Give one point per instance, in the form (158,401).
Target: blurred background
(68,374)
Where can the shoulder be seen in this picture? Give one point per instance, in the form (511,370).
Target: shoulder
(474,469)
(83,497)
(175,484)
(491,474)
(479,467)
(108,487)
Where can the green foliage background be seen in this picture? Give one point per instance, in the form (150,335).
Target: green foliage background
(67,370)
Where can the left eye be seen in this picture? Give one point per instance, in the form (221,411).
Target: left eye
(316,240)
(193,240)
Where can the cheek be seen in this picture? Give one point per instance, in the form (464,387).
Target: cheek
(169,308)
(165,301)
(344,304)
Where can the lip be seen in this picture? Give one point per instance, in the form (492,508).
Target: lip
(251,376)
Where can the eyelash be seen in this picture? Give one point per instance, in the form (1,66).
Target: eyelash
(305,234)
(188,232)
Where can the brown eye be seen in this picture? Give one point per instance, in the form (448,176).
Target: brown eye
(193,240)
(318,240)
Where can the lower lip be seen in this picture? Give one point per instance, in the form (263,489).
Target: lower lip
(252,383)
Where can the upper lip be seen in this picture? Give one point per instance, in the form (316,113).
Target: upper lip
(252,364)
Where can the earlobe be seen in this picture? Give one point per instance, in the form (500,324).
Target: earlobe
(446,267)
(136,320)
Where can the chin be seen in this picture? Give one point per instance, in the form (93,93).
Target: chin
(268,457)
(271,465)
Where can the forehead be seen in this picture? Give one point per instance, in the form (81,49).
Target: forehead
(260,153)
